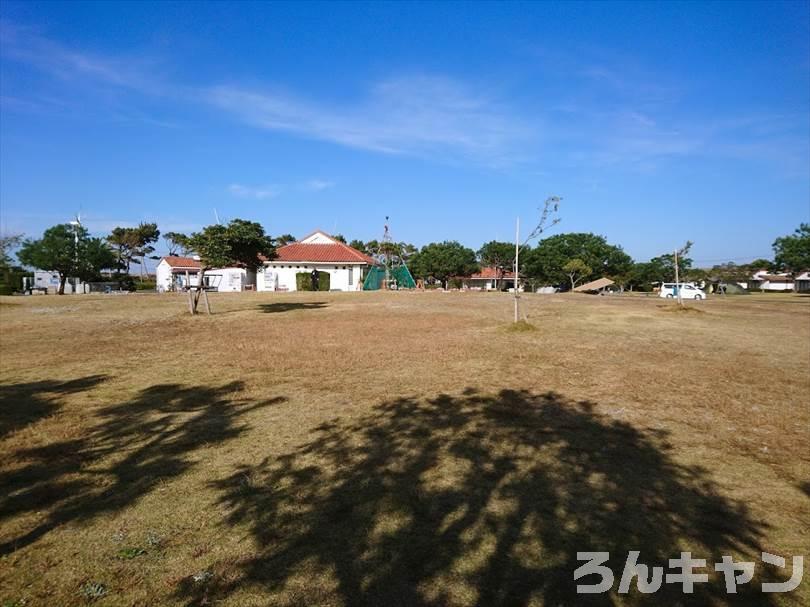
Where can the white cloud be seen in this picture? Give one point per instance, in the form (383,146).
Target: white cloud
(409,115)
(257,193)
(316,185)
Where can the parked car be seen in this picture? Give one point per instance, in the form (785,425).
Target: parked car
(688,291)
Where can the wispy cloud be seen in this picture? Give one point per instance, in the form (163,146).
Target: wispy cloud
(619,113)
(257,193)
(27,45)
(420,115)
(317,185)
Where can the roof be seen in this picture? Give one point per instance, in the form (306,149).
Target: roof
(490,272)
(181,262)
(594,285)
(774,278)
(327,250)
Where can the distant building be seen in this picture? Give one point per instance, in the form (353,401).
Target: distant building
(317,251)
(48,281)
(802,282)
(489,278)
(175,273)
(764,281)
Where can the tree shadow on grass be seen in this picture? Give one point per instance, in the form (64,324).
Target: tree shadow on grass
(135,445)
(25,403)
(288,306)
(473,500)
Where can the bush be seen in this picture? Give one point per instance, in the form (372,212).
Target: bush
(145,285)
(303,281)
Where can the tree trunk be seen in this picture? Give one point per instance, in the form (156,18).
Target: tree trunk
(62,281)
(199,291)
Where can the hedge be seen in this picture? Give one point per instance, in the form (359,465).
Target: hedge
(303,281)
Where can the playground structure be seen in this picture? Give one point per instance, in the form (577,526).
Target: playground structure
(392,273)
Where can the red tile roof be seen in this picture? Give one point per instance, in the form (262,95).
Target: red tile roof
(336,252)
(489,273)
(181,262)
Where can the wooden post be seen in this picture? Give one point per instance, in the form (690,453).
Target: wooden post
(190,302)
(205,297)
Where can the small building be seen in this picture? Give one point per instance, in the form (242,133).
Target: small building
(763,281)
(47,281)
(802,282)
(317,251)
(489,278)
(175,273)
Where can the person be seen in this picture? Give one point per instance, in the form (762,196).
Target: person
(315,280)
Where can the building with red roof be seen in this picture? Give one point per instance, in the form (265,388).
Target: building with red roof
(317,251)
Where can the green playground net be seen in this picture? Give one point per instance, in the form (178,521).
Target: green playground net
(400,278)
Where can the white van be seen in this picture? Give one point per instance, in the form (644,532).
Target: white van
(688,291)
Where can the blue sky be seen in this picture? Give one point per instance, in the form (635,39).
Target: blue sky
(655,122)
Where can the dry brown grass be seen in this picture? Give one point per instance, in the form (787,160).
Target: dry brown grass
(393,448)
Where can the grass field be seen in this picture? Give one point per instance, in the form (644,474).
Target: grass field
(395,448)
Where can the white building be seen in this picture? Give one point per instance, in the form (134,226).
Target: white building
(763,281)
(48,281)
(318,251)
(802,284)
(176,273)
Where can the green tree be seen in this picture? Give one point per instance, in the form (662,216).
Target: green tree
(499,255)
(69,251)
(792,253)
(545,262)
(240,243)
(285,239)
(339,238)
(10,275)
(442,260)
(576,269)
(176,243)
(7,244)
(96,256)
(133,245)
(359,245)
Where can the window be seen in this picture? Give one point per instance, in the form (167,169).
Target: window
(351,276)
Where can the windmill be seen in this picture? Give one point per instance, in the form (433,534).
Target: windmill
(76,223)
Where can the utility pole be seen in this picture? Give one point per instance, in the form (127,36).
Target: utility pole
(517,259)
(677,281)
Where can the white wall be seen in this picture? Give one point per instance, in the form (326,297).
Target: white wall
(282,276)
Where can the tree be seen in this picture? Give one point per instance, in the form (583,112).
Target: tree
(545,262)
(67,250)
(339,238)
(499,255)
(147,234)
(240,243)
(576,269)
(760,264)
(792,253)
(285,239)
(442,260)
(130,244)
(359,245)
(7,243)
(10,276)
(95,257)
(176,243)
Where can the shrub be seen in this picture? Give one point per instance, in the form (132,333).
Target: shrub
(303,281)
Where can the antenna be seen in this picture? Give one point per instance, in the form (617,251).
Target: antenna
(216,216)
